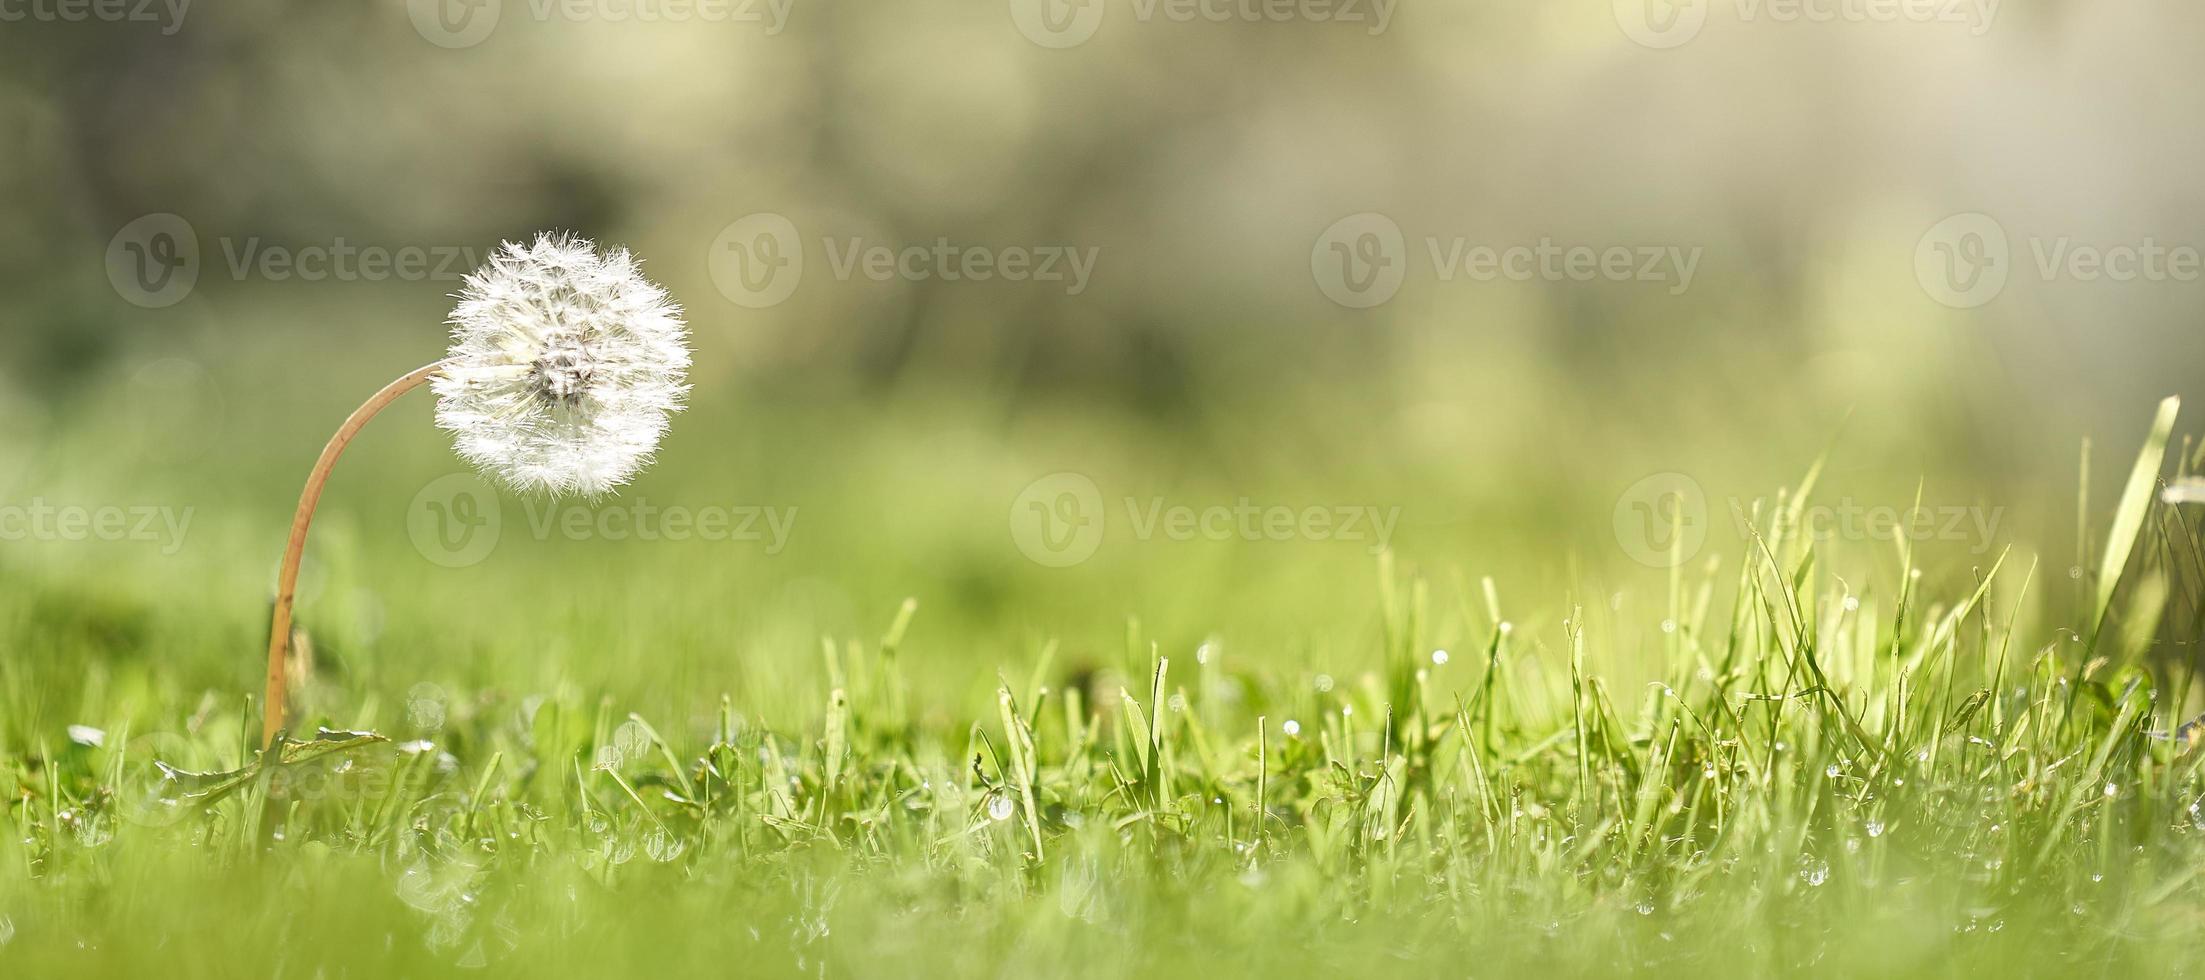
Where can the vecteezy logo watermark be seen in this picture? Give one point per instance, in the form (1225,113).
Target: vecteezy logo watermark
(1360,261)
(153,261)
(40,520)
(1662,519)
(758,260)
(1069,23)
(1661,23)
(1059,520)
(168,14)
(466,23)
(454,23)
(1670,23)
(1966,260)
(457,521)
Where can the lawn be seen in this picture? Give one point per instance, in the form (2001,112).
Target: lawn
(590,749)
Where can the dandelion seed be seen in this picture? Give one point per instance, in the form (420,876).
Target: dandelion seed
(1177,703)
(1852,603)
(565,363)
(1875,828)
(1439,657)
(1323,683)
(999,808)
(1668,625)
(1291,727)
(1816,873)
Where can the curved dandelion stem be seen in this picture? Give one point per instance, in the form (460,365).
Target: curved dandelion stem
(279,631)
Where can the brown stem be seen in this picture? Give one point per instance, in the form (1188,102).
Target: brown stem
(287,581)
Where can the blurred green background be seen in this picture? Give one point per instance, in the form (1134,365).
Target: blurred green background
(1205,166)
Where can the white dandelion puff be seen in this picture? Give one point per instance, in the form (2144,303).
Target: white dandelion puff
(565,363)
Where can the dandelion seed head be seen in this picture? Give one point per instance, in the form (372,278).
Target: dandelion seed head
(564,365)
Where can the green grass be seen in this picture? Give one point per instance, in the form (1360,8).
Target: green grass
(1932,767)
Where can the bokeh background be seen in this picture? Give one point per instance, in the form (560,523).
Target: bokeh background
(1206,164)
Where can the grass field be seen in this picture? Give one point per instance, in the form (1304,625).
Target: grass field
(1791,753)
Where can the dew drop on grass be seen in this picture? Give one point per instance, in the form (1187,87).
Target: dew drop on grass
(1815,874)
(1644,907)
(1439,657)
(999,809)
(2112,790)
(1875,828)
(1831,770)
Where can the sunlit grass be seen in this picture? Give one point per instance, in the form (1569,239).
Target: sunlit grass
(1869,776)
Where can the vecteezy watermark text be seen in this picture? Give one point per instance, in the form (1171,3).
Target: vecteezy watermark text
(156,260)
(1361,260)
(40,520)
(1670,23)
(1069,23)
(1965,260)
(167,14)
(758,260)
(1663,521)
(466,23)
(1059,520)
(457,520)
